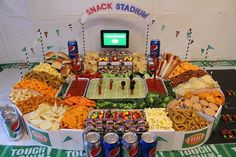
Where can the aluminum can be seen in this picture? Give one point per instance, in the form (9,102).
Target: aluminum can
(155,47)
(2,109)
(148,144)
(13,126)
(94,144)
(7,109)
(130,145)
(72,48)
(111,145)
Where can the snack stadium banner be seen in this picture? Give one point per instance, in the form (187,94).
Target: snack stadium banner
(115,6)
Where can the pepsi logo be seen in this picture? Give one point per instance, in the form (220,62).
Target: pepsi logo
(71,48)
(152,151)
(114,152)
(95,152)
(15,126)
(133,152)
(154,47)
(39,137)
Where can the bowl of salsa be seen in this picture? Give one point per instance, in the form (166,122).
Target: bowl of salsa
(77,88)
(159,87)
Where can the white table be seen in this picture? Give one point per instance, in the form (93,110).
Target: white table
(8,77)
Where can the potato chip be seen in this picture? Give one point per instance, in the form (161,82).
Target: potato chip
(45,125)
(47,117)
(43,107)
(55,126)
(36,122)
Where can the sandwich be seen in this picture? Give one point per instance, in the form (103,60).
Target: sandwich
(57,64)
(50,55)
(62,55)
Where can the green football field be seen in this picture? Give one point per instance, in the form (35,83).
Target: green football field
(116,92)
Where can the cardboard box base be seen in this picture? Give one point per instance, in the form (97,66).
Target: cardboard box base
(72,139)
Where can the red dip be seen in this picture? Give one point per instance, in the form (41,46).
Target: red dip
(77,88)
(159,87)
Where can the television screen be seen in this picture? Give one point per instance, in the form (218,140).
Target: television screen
(114,38)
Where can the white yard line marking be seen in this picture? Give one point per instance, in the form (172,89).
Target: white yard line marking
(116,89)
(139,88)
(94,90)
(105,88)
(127,88)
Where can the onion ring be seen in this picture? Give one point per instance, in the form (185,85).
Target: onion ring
(180,127)
(191,123)
(194,127)
(203,124)
(179,119)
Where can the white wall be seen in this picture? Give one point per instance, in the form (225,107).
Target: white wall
(212,21)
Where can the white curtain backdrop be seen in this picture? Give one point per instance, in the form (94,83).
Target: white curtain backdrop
(212,21)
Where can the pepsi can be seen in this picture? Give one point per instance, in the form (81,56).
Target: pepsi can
(72,48)
(155,48)
(148,144)
(111,144)
(13,126)
(94,145)
(2,109)
(130,145)
(7,109)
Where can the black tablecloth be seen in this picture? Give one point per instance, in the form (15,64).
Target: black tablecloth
(227,80)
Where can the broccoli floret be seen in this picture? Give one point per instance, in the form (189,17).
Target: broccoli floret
(157,102)
(163,105)
(140,103)
(150,99)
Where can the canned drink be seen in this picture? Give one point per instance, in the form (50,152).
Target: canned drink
(7,109)
(111,145)
(148,144)
(94,146)
(13,126)
(155,48)
(130,145)
(2,109)
(72,48)
(3,106)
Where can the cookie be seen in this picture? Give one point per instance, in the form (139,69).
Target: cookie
(203,103)
(213,106)
(209,111)
(197,106)
(194,99)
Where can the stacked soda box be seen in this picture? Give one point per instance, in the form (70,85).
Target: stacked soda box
(119,62)
(119,121)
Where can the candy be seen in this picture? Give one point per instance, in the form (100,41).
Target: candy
(99,128)
(229,134)
(141,128)
(89,127)
(98,121)
(88,120)
(223,132)
(224,118)
(121,128)
(234,117)
(109,128)
(120,121)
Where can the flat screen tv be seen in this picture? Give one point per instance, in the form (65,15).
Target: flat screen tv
(114,38)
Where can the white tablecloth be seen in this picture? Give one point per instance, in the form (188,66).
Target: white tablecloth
(7,78)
